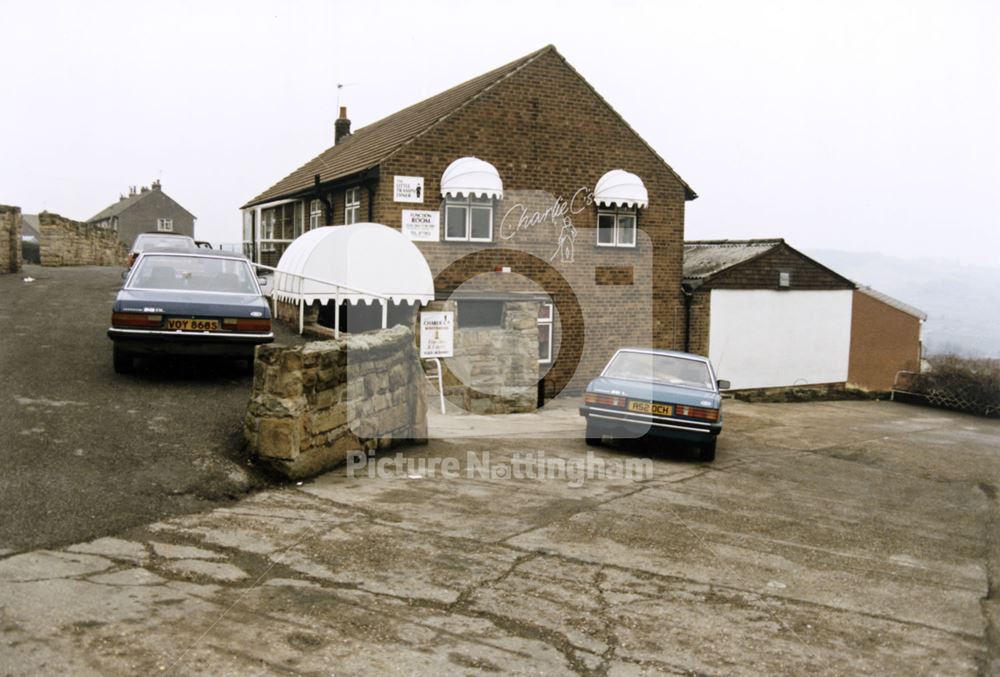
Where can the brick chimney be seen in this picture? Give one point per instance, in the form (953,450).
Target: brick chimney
(156,184)
(342,126)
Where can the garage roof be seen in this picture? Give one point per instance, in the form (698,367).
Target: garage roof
(705,258)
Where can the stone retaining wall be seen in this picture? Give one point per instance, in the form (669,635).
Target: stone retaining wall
(494,369)
(10,239)
(65,242)
(314,404)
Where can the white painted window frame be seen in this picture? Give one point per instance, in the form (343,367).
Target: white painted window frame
(164,225)
(617,214)
(547,324)
(352,205)
(315,214)
(469,204)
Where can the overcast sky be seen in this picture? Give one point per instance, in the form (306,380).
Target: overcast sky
(864,126)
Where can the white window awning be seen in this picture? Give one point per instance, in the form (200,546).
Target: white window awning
(360,262)
(471,176)
(619,188)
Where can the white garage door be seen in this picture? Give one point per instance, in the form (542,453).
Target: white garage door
(762,339)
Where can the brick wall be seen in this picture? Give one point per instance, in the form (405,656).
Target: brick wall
(701,313)
(65,242)
(762,273)
(313,405)
(884,340)
(10,239)
(549,135)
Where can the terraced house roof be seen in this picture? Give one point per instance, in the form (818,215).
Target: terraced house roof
(369,146)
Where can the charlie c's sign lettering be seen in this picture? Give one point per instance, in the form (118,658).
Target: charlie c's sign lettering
(518,218)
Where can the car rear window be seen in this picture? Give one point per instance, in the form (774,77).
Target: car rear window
(193,273)
(144,242)
(664,369)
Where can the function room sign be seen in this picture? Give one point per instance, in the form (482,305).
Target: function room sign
(421,226)
(437,334)
(408,188)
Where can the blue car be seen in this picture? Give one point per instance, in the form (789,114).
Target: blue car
(656,393)
(189,303)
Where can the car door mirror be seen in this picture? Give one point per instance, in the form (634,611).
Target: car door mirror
(724,384)
(124,275)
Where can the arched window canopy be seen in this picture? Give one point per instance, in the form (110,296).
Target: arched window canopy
(373,260)
(470,176)
(619,188)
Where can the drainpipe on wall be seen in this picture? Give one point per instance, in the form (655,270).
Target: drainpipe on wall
(688,299)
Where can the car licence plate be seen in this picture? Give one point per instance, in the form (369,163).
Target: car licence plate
(178,324)
(651,408)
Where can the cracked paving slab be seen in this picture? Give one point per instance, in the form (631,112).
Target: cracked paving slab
(828,558)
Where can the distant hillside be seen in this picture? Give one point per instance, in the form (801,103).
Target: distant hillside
(962,302)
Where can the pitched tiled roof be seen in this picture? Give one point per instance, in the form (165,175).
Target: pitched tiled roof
(890,301)
(121,205)
(705,258)
(369,146)
(116,208)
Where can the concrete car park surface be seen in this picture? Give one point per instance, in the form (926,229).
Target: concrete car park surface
(827,538)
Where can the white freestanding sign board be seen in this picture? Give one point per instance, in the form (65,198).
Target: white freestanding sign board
(437,334)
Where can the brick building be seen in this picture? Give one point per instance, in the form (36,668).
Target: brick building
(885,339)
(147,209)
(769,316)
(525,170)
(766,314)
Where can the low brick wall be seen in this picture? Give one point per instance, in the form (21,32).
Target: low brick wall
(65,242)
(10,239)
(314,404)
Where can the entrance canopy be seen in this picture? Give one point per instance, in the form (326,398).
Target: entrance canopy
(361,262)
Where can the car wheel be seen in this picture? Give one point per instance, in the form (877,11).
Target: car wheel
(122,361)
(594,435)
(707,451)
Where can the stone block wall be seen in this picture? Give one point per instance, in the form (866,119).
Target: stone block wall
(65,242)
(494,369)
(10,239)
(314,404)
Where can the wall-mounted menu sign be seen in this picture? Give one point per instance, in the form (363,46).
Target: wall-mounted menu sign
(408,188)
(421,226)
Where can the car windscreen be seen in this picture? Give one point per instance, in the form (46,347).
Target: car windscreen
(664,369)
(193,273)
